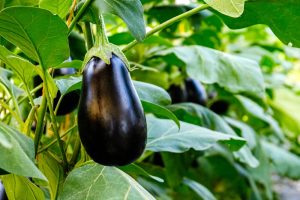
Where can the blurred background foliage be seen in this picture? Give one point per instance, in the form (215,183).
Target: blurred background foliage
(269,122)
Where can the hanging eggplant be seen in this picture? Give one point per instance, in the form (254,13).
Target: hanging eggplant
(111,120)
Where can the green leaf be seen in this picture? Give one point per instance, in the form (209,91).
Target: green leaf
(77,64)
(285,162)
(53,171)
(174,167)
(18,187)
(160,111)
(287,108)
(233,8)
(152,93)
(258,112)
(68,84)
(164,136)
(94,181)
(202,191)
(8,3)
(16,148)
(246,131)
(59,7)
(199,115)
(5,80)
(135,170)
(130,11)
(40,34)
(263,172)
(284,25)
(234,73)
(23,68)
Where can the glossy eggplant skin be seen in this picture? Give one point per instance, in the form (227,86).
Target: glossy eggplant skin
(192,91)
(195,92)
(178,94)
(70,100)
(111,120)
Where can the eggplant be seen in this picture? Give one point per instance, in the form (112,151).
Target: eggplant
(3,195)
(178,94)
(192,91)
(195,92)
(220,106)
(70,101)
(111,121)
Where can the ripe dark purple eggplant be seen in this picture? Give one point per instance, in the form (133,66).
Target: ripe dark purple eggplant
(111,120)
(192,91)
(195,91)
(178,94)
(220,107)
(70,101)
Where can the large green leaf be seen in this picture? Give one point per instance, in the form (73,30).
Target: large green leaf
(23,68)
(53,171)
(94,181)
(285,162)
(68,84)
(152,93)
(5,80)
(131,12)
(258,112)
(135,171)
(287,108)
(233,8)
(234,73)
(202,191)
(262,173)
(199,115)
(40,34)
(281,16)
(160,111)
(8,3)
(164,136)
(246,131)
(59,7)
(18,187)
(17,153)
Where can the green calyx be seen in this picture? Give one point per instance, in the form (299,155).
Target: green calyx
(103,48)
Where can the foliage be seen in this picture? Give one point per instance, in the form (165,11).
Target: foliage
(237,49)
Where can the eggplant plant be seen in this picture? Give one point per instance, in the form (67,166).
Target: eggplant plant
(162,99)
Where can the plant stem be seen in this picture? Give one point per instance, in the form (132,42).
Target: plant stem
(40,123)
(168,23)
(54,124)
(88,35)
(76,151)
(29,96)
(101,38)
(29,120)
(79,14)
(58,104)
(31,92)
(71,12)
(16,104)
(54,141)
(13,113)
